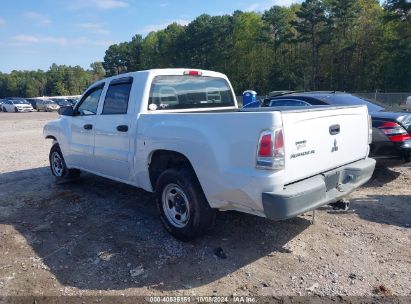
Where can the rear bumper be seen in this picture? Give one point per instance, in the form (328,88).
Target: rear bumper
(392,154)
(316,191)
(406,148)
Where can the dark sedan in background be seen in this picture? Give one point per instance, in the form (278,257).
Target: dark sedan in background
(391,130)
(62,102)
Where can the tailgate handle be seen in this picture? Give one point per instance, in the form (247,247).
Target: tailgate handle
(334,129)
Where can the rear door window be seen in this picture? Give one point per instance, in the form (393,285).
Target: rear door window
(188,92)
(117,96)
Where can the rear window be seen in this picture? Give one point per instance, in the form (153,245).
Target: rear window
(347,99)
(287,103)
(188,92)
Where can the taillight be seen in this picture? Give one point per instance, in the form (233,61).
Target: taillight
(270,150)
(265,145)
(369,130)
(193,73)
(394,131)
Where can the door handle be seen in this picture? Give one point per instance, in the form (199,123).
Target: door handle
(88,127)
(122,128)
(334,129)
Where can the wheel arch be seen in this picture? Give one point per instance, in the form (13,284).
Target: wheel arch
(52,137)
(161,160)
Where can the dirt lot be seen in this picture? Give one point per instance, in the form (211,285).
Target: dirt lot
(98,237)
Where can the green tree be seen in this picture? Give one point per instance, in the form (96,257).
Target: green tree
(396,69)
(313,26)
(339,56)
(117,59)
(285,71)
(97,70)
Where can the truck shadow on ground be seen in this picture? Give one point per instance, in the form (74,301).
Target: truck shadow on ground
(384,209)
(381,176)
(99,234)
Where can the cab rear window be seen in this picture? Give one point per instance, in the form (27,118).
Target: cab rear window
(188,92)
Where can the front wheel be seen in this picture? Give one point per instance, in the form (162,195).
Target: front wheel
(58,166)
(183,207)
(15,110)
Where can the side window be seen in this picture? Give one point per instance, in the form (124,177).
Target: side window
(88,106)
(117,96)
(287,103)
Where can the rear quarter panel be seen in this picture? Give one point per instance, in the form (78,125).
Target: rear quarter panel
(221,148)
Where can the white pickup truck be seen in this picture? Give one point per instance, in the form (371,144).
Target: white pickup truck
(179,133)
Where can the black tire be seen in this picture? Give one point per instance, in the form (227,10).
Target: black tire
(63,174)
(4,109)
(15,110)
(200,215)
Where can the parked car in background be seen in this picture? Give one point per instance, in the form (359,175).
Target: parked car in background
(62,102)
(47,105)
(408,102)
(1,103)
(73,101)
(391,130)
(179,133)
(33,102)
(17,105)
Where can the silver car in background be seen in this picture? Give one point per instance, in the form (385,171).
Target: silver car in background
(47,106)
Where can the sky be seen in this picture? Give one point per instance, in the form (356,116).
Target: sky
(36,33)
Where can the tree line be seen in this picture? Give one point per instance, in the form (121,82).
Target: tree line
(346,45)
(58,80)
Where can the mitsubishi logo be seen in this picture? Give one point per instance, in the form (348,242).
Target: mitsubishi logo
(335,147)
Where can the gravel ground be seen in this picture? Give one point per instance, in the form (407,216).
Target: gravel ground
(99,237)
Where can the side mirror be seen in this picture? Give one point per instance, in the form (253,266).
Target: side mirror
(66,111)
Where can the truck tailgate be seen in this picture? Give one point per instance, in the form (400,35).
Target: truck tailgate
(321,139)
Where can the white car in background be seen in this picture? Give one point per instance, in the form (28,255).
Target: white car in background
(17,105)
(408,102)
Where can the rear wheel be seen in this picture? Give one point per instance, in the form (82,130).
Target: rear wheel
(58,166)
(183,207)
(15,109)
